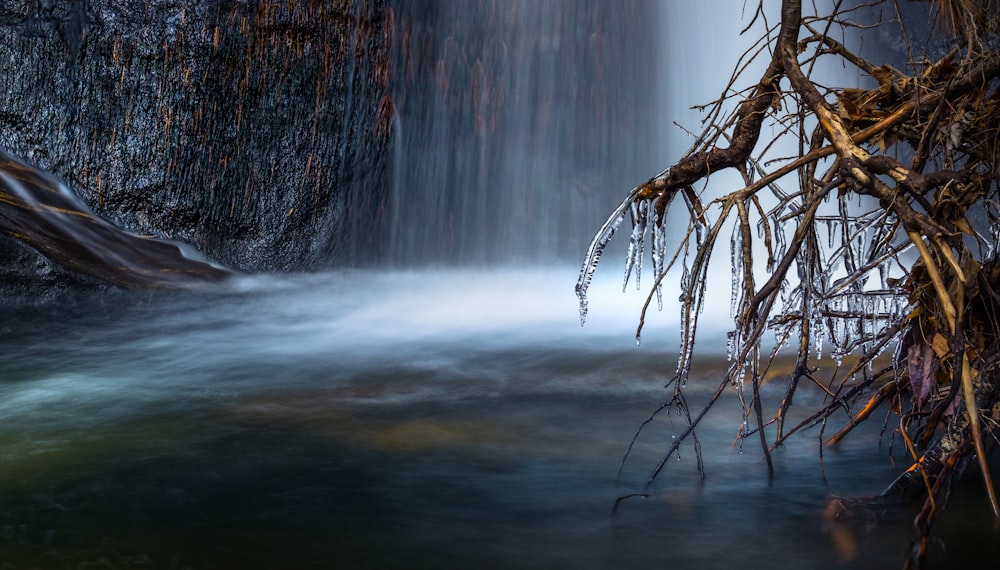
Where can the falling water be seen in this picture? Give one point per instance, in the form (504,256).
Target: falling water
(521,125)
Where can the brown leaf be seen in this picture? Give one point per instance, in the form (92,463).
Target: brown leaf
(883,74)
(848,99)
(888,138)
(940,345)
(963,225)
(922,370)
(880,141)
(943,69)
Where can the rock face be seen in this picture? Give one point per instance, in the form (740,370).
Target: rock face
(248,129)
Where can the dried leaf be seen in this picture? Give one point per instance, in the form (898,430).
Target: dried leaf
(970,266)
(885,140)
(888,139)
(880,141)
(848,99)
(883,74)
(922,370)
(963,225)
(940,345)
(943,69)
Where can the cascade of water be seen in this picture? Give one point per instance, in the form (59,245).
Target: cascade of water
(522,125)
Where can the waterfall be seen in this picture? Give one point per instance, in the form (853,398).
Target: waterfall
(520,124)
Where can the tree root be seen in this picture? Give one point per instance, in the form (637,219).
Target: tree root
(41,212)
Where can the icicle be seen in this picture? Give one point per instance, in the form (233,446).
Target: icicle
(644,208)
(687,333)
(633,211)
(781,243)
(995,245)
(685,281)
(818,336)
(840,336)
(867,314)
(867,319)
(633,259)
(793,301)
(859,251)
(735,259)
(870,314)
(658,254)
(596,248)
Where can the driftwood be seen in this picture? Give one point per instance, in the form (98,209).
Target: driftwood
(39,210)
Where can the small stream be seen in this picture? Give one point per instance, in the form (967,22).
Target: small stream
(390,419)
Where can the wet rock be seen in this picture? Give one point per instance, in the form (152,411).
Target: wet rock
(247,129)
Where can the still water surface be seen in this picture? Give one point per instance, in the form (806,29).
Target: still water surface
(394,420)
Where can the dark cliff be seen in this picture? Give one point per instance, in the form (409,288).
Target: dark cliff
(248,129)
